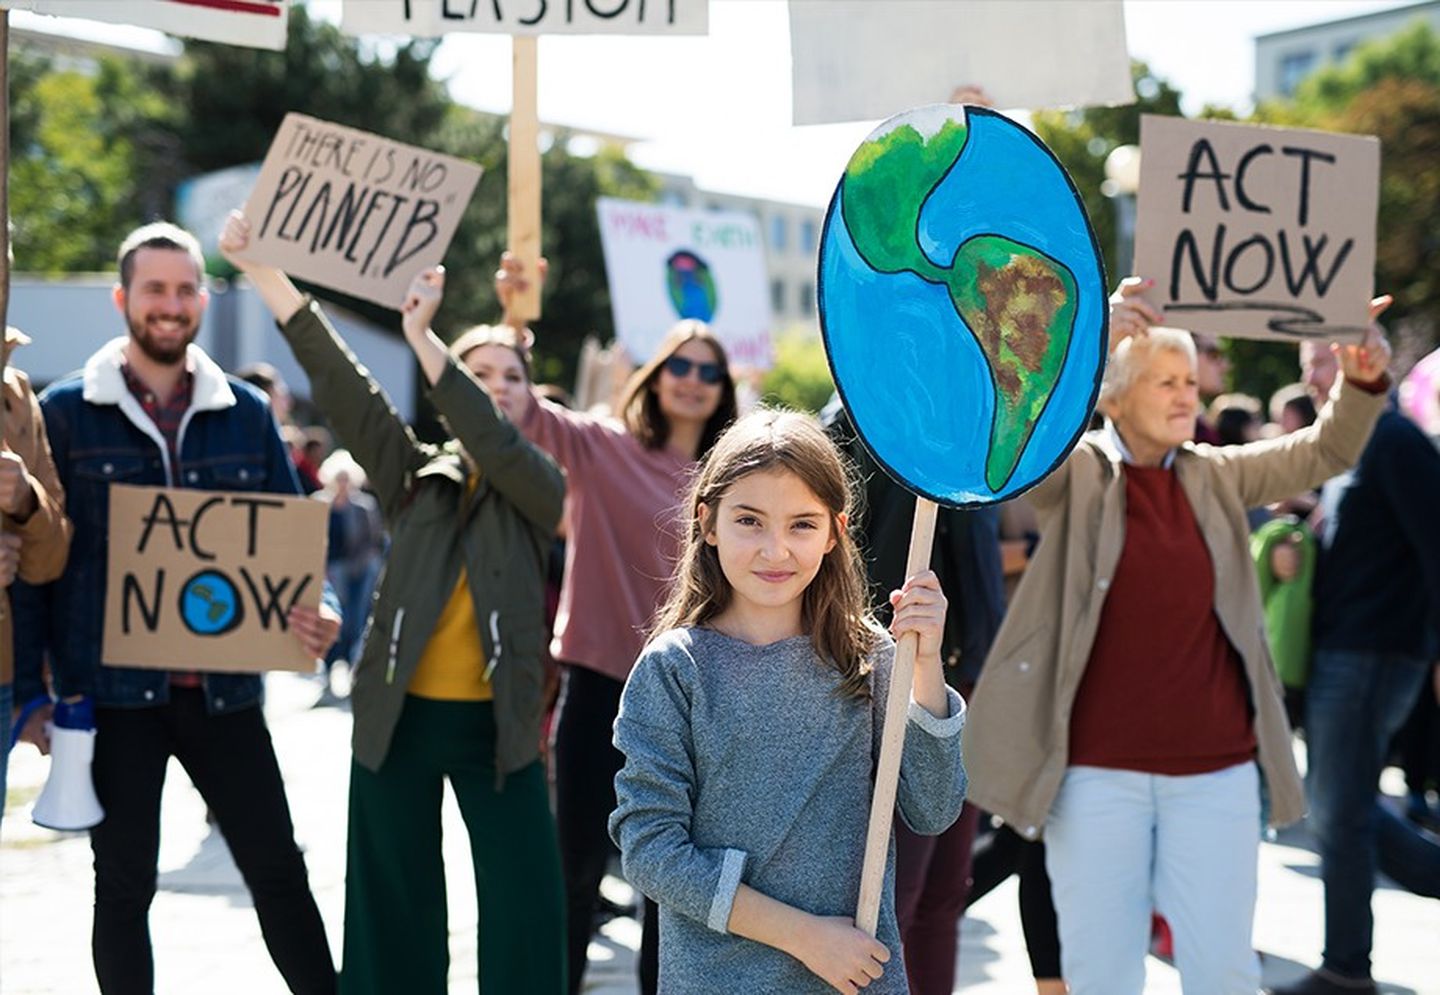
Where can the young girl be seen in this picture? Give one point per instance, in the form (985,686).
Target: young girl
(751,724)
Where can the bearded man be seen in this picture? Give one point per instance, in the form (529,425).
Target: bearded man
(152,408)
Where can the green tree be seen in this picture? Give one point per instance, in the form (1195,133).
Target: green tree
(77,145)
(800,378)
(1081,140)
(235,98)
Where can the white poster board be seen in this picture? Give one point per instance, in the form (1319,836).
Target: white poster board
(434,18)
(252,23)
(860,60)
(1257,232)
(667,263)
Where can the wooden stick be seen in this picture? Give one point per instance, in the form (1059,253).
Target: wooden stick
(524,175)
(897,707)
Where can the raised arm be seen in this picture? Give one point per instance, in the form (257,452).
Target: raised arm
(1269,471)
(514,466)
(363,417)
(572,437)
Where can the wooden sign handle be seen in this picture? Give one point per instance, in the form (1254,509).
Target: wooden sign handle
(524,177)
(897,707)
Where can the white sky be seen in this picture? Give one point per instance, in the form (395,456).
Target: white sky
(718,107)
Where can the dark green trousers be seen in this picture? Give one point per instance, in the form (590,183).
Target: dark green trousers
(396,937)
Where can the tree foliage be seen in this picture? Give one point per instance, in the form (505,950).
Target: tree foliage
(1081,140)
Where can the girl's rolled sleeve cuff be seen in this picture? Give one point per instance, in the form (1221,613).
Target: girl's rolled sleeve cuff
(730,870)
(937,727)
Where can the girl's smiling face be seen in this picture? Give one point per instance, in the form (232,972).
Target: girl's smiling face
(771,534)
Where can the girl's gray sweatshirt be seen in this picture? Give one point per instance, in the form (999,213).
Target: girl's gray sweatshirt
(744,763)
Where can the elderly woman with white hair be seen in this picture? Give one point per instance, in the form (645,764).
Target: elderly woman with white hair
(1129,708)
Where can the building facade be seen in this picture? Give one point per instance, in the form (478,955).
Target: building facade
(1284,58)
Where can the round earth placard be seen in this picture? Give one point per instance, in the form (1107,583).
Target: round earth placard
(962,303)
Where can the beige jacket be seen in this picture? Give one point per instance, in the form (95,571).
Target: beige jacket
(45,535)
(1018,734)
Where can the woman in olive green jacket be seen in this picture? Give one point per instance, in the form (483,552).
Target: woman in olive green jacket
(449,684)
(1129,695)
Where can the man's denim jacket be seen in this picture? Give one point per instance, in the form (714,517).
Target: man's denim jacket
(100,436)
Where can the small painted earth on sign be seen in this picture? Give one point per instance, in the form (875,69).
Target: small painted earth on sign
(210,605)
(957,259)
(691,286)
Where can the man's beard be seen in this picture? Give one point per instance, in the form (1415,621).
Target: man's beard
(162,354)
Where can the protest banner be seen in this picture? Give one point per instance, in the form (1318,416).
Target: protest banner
(353,211)
(1044,53)
(1255,232)
(963,309)
(251,23)
(433,18)
(667,263)
(203,580)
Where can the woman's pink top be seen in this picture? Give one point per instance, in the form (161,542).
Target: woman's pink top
(624,507)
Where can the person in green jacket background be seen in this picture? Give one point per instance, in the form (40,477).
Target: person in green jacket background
(1284,553)
(449,683)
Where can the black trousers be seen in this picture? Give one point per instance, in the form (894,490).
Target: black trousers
(586,763)
(994,858)
(232,763)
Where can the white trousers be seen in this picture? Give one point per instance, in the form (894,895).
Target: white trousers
(1121,843)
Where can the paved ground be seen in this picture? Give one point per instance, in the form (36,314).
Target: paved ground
(207,940)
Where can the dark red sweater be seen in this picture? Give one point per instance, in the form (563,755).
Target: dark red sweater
(1164,691)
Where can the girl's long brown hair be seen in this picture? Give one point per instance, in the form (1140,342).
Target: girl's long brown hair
(835,610)
(639,405)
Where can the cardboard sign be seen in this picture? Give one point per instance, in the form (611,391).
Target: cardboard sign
(433,18)
(1263,233)
(860,60)
(253,23)
(203,580)
(353,211)
(963,304)
(667,263)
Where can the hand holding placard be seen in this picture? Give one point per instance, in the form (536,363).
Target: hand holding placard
(513,281)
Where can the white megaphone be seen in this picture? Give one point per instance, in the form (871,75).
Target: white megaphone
(68,802)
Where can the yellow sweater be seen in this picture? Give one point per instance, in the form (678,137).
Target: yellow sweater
(452,668)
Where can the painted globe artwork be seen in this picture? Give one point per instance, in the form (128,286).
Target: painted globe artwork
(691,286)
(209,604)
(962,303)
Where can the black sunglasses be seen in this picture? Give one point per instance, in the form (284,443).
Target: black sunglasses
(680,367)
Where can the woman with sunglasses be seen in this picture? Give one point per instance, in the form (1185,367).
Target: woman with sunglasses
(626,476)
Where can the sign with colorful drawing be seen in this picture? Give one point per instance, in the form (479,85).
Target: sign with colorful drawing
(354,211)
(667,263)
(433,18)
(963,304)
(252,23)
(204,580)
(1264,233)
